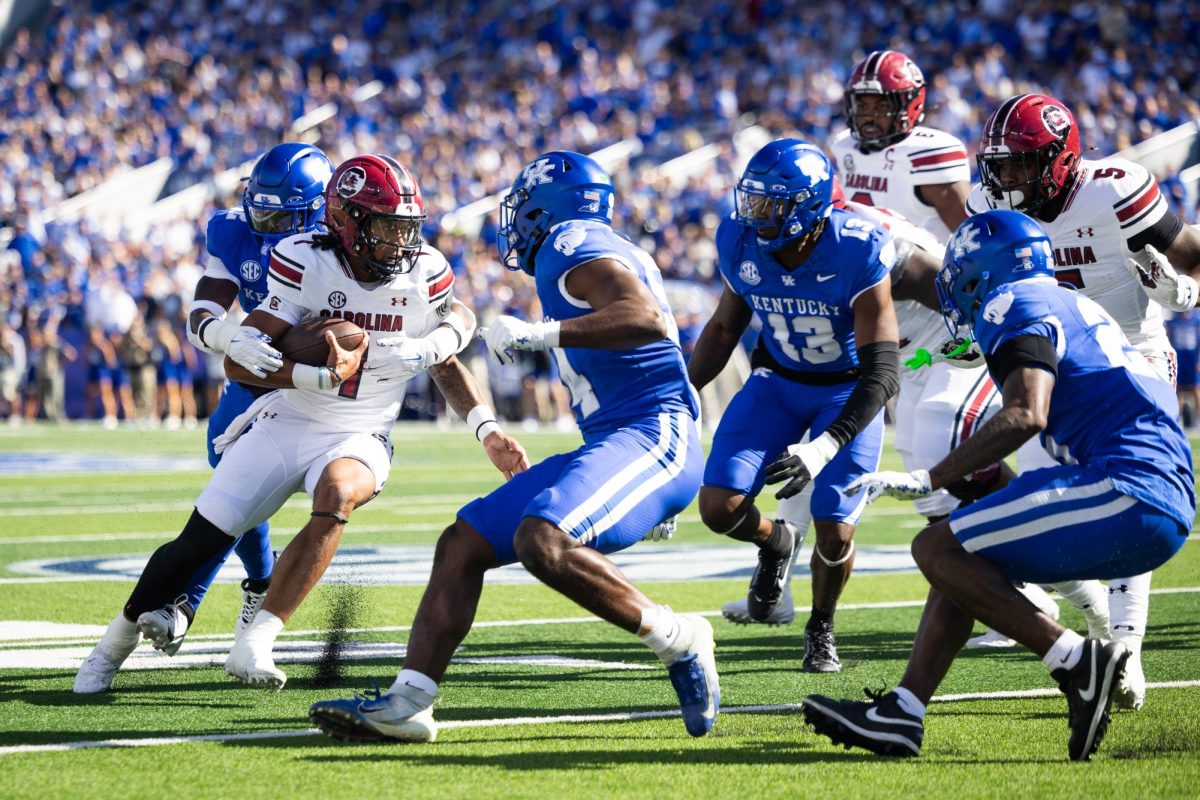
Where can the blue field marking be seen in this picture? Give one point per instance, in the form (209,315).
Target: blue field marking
(21,464)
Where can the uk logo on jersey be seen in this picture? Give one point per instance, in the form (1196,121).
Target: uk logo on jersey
(250,270)
(537,173)
(965,240)
(569,239)
(997,307)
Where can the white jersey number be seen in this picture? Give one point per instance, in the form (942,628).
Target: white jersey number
(819,345)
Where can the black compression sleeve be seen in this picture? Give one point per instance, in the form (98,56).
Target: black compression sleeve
(878,380)
(1029,350)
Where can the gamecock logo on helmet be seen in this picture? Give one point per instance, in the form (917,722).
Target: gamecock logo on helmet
(352,182)
(1055,120)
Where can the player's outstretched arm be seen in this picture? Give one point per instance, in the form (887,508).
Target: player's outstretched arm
(342,363)
(917,277)
(463,396)
(625,314)
(210,331)
(718,339)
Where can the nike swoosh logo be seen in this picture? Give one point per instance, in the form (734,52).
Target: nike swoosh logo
(823,278)
(1091,690)
(874,715)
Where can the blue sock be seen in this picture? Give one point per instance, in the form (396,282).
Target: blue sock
(203,577)
(254,549)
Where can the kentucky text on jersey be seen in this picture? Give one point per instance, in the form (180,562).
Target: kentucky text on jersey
(367,321)
(792,305)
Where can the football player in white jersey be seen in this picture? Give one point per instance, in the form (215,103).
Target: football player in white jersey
(327,432)
(887,158)
(1115,240)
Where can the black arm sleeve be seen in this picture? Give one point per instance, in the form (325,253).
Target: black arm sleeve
(1029,350)
(1161,234)
(878,380)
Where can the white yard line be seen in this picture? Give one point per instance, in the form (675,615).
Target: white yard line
(586,719)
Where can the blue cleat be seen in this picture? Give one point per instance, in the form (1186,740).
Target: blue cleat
(694,676)
(403,715)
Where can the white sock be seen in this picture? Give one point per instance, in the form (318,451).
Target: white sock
(1066,652)
(121,636)
(417,680)
(660,631)
(1129,607)
(262,631)
(796,510)
(910,703)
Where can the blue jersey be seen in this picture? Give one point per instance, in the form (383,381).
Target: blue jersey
(1109,411)
(1184,331)
(806,313)
(242,253)
(610,388)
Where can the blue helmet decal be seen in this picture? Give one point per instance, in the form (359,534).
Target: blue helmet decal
(554,188)
(986,252)
(784,193)
(285,193)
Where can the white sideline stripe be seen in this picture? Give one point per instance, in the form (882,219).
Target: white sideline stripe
(522,721)
(511,623)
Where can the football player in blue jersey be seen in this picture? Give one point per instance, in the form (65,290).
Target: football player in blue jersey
(610,329)
(284,195)
(1120,502)
(818,278)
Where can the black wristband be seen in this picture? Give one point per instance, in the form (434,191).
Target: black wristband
(878,380)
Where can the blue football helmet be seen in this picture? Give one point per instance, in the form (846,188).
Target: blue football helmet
(285,193)
(555,187)
(784,192)
(987,251)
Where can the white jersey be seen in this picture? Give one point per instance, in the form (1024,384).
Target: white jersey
(919,326)
(889,178)
(305,282)
(1113,210)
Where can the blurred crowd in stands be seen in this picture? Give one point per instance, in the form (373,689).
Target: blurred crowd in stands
(465,99)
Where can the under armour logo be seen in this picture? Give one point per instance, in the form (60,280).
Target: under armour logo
(788,280)
(400,301)
(538,172)
(1085,233)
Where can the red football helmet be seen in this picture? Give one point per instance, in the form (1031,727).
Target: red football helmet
(1029,152)
(374,208)
(892,75)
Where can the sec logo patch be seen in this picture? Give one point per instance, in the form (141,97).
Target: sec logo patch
(251,271)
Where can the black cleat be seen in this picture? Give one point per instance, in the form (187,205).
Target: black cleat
(820,649)
(1089,690)
(880,725)
(771,576)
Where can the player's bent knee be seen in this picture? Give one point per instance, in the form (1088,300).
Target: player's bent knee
(933,541)
(461,547)
(721,510)
(539,545)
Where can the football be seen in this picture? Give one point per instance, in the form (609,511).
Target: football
(305,343)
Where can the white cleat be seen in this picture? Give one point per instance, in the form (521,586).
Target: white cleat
(97,671)
(254,669)
(252,601)
(165,627)
(1130,691)
(738,611)
(994,639)
(404,715)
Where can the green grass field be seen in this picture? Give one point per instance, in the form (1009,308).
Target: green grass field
(542,702)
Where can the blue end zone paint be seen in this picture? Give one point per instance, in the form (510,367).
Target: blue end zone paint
(60,463)
(411,565)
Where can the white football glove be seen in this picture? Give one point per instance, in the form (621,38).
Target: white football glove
(1161,282)
(400,357)
(901,485)
(800,464)
(964,354)
(247,346)
(508,334)
(663,530)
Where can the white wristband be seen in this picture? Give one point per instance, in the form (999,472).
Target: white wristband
(216,333)
(550,333)
(314,379)
(482,420)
